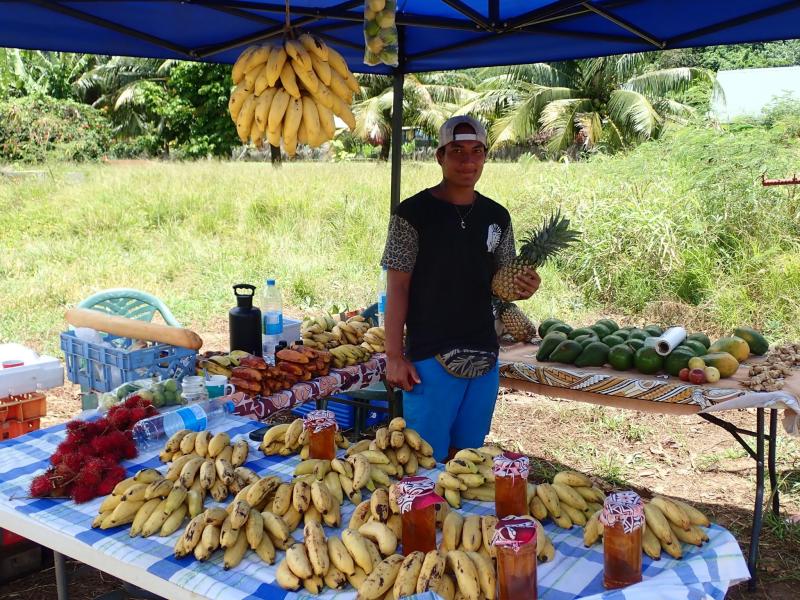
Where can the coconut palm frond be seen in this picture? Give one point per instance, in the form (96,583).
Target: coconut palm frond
(633,114)
(590,127)
(559,118)
(664,81)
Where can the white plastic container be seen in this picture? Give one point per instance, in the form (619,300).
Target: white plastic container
(36,372)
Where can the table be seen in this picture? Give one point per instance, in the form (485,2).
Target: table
(62,525)
(630,390)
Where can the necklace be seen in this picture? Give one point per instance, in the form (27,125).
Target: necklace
(465,215)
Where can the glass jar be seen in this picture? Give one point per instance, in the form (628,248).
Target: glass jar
(417,502)
(321,427)
(514,542)
(511,484)
(193,389)
(623,520)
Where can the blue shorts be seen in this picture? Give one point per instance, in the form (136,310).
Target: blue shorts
(450,411)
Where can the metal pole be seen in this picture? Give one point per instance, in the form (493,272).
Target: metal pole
(397,136)
(62,587)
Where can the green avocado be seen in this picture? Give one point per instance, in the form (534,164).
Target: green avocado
(593,355)
(609,324)
(648,361)
(622,333)
(620,357)
(601,330)
(587,339)
(566,352)
(549,343)
(580,331)
(545,326)
(563,327)
(613,340)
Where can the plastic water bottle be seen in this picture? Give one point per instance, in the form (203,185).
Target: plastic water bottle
(382,297)
(272,315)
(199,416)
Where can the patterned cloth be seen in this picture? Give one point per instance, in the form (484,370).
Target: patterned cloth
(705,572)
(338,380)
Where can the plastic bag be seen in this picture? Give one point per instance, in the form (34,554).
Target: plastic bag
(380,32)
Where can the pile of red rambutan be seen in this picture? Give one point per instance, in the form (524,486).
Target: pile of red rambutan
(86,464)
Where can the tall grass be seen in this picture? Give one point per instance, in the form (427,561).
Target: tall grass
(682,223)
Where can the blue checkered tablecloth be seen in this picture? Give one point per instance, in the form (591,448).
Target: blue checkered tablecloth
(705,572)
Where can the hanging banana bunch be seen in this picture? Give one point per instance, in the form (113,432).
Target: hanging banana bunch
(291,91)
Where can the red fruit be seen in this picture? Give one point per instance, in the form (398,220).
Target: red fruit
(684,374)
(132,401)
(138,413)
(73,461)
(83,493)
(697,376)
(120,419)
(41,486)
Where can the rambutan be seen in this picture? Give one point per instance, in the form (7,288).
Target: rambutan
(41,486)
(120,419)
(82,492)
(74,461)
(133,401)
(138,413)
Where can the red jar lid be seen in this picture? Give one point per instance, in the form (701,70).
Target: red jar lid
(511,464)
(319,420)
(416,493)
(514,532)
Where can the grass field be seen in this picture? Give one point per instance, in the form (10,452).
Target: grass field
(676,231)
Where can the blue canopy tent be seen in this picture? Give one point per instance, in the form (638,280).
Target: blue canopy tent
(433,35)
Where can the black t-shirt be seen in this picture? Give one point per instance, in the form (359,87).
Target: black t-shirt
(450,298)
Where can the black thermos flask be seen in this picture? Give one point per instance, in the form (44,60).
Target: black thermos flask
(244,321)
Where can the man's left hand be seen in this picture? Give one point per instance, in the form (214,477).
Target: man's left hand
(526,283)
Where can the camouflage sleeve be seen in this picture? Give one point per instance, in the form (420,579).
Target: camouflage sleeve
(506,251)
(402,244)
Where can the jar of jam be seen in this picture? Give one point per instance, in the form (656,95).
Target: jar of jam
(321,428)
(511,484)
(514,542)
(623,521)
(417,502)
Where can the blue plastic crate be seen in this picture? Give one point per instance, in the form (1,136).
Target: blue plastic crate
(345,414)
(101,368)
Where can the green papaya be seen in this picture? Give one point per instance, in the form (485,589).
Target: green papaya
(566,352)
(593,355)
(725,363)
(620,357)
(580,331)
(545,325)
(549,343)
(678,359)
(701,337)
(758,343)
(735,346)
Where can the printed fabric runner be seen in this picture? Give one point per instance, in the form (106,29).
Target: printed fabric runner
(576,571)
(338,380)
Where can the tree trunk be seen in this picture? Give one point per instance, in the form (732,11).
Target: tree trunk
(386,146)
(275,154)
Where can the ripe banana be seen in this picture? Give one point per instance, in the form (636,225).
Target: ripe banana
(674,513)
(381,534)
(382,578)
(466,574)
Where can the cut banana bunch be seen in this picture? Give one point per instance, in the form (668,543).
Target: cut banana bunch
(291,91)
(572,499)
(286,439)
(668,523)
(468,475)
(243,525)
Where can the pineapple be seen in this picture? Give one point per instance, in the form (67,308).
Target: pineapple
(537,247)
(515,322)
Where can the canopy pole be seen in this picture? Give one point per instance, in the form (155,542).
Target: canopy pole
(397,135)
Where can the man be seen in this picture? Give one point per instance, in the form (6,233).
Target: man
(444,246)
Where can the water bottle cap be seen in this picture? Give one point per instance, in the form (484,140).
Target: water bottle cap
(228,406)
(270,282)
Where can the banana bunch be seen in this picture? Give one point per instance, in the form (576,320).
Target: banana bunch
(396,451)
(219,364)
(572,499)
(286,439)
(374,339)
(468,475)
(151,503)
(245,523)
(668,523)
(291,91)
(316,332)
(211,460)
(348,355)
(314,495)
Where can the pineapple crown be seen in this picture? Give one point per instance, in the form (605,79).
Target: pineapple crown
(554,235)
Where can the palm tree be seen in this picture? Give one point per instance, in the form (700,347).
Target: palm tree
(614,101)
(428,100)
(35,72)
(129,89)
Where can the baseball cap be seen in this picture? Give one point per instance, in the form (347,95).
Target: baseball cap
(447,131)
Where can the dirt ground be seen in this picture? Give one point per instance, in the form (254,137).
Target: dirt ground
(684,457)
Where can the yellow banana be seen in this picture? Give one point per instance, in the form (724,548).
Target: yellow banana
(235,553)
(173,521)
(277,110)
(657,523)
(674,513)
(275,64)
(466,573)
(549,498)
(650,544)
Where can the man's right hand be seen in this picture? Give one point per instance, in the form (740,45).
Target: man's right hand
(401,373)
